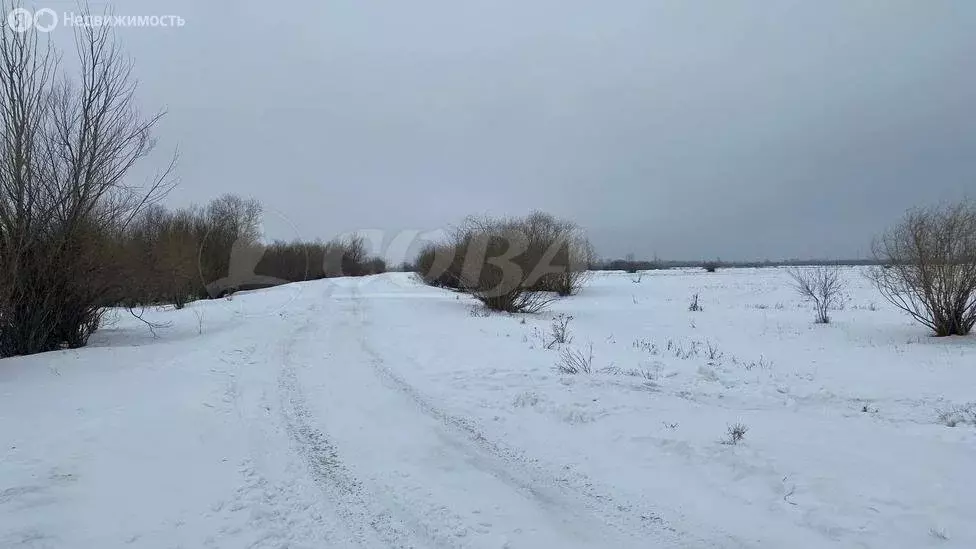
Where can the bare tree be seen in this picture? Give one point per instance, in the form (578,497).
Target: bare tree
(230,246)
(928,267)
(821,284)
(66,147)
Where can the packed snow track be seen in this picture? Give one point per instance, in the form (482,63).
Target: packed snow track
(291,431)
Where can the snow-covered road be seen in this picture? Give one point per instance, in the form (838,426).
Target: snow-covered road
(283,430)
(405,472)
(379,412)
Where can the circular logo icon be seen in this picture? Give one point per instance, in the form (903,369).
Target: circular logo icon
(45,20)
(20,19)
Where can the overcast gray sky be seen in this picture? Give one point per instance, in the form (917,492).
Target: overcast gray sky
(740,130)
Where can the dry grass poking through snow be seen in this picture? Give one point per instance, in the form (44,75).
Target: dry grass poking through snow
(852,413)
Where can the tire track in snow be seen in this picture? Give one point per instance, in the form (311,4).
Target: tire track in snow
(371,525)
(587,507)
(272,508)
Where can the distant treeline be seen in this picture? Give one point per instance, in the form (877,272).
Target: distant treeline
(631,265)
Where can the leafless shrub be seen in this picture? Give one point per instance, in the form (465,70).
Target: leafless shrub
(500,285)
(929,267)
(573,362)
(712,352)
(735,434)
(682,352)
(159,258)
(438,265)
(559,331)
(66,148)
(821,284)
(956,415)
(646,375)
(646,345)
(510,256)
(694,306)
(763,364)
(515,300)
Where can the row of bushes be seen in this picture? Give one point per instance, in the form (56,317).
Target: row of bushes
(195,253)
(510,264)
(77,235)
(631,265)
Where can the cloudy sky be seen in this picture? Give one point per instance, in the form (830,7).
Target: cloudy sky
(732,129)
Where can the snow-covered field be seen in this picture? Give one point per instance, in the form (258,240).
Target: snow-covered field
(378,412)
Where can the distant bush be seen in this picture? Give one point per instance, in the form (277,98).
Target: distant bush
(159,256)
(821,284)
(628,265)
(711,266)
(928,267)
(509,263)
(298,261)
(501,286)
(177,256)
(293,261)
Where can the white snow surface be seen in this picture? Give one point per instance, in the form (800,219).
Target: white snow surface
(378,412)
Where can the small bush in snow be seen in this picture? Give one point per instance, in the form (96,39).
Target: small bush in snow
(646,345)
(736,433)
(928,269)
(559,331)
(679,350)
(762,364)
(695,307)
(573,362)
(957,415)
(712,352)
(822,285)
